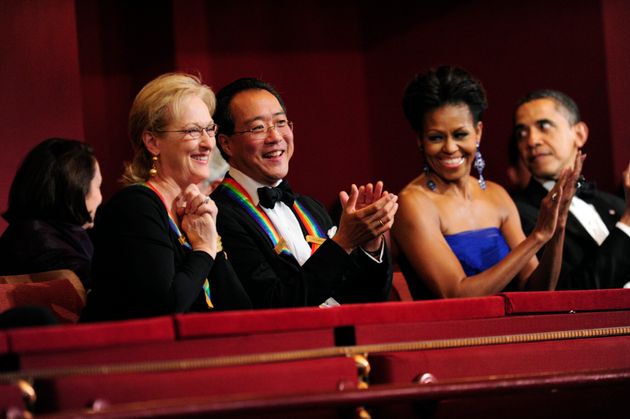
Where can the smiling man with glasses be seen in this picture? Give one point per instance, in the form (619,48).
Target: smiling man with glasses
(284,246)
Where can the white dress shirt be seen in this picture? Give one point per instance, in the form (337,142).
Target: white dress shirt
(588,217)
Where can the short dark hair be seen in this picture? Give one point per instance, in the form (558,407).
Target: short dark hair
(222,115)
(52,183)
(512,151)
(437,87)
(563,100)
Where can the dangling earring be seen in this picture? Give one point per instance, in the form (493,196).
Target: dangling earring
(427,172)
(153,172)
(480,164)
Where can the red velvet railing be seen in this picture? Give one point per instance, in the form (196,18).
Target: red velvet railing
(504,335)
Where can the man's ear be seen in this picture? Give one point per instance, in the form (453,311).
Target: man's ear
(151,143)
(581,134)
(226,144)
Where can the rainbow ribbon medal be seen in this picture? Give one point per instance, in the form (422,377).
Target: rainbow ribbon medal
(181,238)
(314,235)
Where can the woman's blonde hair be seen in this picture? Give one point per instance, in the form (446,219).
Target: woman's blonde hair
(155,106)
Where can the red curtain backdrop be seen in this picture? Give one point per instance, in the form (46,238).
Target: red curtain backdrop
(72,69)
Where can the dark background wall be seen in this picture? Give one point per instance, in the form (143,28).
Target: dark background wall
(72,69)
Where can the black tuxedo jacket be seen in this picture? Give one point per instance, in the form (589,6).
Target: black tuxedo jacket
(273,280)
(585,265)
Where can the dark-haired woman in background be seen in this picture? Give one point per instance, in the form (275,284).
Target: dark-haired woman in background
(460,236)
(52,201)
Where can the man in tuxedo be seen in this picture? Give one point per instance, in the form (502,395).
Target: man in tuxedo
(283,245)
(549,133)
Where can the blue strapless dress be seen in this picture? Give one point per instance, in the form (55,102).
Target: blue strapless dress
(478,250)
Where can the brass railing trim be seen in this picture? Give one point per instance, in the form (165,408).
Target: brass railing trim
(329,352)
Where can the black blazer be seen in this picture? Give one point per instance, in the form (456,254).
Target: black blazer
(585,265)
(140,269)
(273,280)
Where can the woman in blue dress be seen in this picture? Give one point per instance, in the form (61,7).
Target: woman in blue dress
(457,235)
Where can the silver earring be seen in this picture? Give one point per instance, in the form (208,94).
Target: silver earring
(480,164)
(427,172)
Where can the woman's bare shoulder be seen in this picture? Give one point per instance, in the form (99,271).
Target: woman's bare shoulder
(415,191)
(497,192)
(415,199)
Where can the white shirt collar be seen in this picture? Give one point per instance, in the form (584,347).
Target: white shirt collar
(547,184)
(249,184)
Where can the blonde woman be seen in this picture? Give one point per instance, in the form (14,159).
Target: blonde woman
(157,250)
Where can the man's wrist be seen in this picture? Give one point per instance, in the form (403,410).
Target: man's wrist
(374,250)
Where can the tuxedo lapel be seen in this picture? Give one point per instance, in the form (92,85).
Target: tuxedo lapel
(606,211)
(251,223)
(310,210)
(317,214)
(576,228)
(302,227)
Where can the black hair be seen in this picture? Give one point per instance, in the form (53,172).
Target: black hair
(512,151)
(567,104)
(437,87)
(52,183)
(222,115)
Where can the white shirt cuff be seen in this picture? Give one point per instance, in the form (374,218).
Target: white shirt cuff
(380,252)
(623,227)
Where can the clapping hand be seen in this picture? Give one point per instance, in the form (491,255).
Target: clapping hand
(569,188)
(554,208)
(368,212)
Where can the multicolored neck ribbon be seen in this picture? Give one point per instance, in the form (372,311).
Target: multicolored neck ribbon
(180,237)
(314,233)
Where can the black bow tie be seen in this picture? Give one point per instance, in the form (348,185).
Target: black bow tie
(269,196)
(586,190)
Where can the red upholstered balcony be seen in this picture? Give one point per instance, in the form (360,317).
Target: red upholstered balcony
(485,356)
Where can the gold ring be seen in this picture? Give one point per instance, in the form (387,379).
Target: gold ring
(381,221)
(554,196)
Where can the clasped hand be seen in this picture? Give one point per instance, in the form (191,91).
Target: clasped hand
(198,215)
(368,212)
